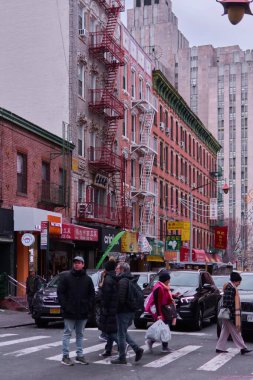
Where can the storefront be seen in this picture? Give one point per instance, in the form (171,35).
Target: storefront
(155,259)
(7,259)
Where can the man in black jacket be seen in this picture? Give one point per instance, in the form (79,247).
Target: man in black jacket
(76,296)
(125,316)
(33,284)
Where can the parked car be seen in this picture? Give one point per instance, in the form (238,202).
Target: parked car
(144,278)
(46,307)
(220,280)
(246,296)
(195,295)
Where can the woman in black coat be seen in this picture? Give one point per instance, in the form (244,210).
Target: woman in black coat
(109,304)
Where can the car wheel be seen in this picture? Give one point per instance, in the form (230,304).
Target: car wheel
(198,321)
(140,323)
(41,323)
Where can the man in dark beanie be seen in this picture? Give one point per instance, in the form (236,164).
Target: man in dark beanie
(109,304)
(232,326)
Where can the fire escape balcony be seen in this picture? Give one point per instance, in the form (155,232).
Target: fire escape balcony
(51,194)
(106,49)
(104,103)
(93,212)
(112,5)
(104,159)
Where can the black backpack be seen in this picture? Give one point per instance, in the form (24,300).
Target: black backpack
(135,297)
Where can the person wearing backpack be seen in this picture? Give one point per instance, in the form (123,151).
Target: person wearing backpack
(125,313)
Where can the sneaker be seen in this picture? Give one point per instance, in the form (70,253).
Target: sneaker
(150,346)
(66,361)
(102,337)
(166,349)
(119,361)
(106,354)
(138,354)
(81,360)
(245,351)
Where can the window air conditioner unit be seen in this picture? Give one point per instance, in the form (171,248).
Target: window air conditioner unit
(161,125)
(182,144)
(167,131)
(181,177)
(83,33)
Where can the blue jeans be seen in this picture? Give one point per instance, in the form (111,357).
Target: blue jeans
(69,326)
(124,320)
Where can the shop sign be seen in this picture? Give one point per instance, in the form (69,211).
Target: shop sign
(107,235)
(220,234)
(55,224)
(129,242)
(75,232)
(157,247)
(44,235)
(27,240)
(173,242)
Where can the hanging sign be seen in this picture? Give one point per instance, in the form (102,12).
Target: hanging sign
(27,240)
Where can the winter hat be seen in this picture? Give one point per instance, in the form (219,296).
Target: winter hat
(164,276)
(78,258)
(234,276)
(110,265)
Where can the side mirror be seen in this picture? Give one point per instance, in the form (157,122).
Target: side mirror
(145,285)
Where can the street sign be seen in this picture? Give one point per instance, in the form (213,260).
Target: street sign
(178,225)
(173,242)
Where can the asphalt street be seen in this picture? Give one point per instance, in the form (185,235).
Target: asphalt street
(27,352)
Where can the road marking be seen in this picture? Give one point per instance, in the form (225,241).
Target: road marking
(177,332)
(130,354)
(5,335)
(10,342)
(172,356)
(219,360)
(31,350)
(87,350)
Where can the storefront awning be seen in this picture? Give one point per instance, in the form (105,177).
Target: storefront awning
(76,232)
(155,258)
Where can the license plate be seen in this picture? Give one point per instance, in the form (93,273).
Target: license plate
(249,318)
(55,310)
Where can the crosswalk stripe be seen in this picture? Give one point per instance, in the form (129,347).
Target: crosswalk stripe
(30,350)
(87,350)
(5,335)
(219,360)
(130,354)
(10,342)
(172,356)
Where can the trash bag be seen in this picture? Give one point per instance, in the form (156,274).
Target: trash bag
(158,332)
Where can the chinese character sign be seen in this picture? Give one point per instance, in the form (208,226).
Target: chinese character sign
(213,209)
(221,237)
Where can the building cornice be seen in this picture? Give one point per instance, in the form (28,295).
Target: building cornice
(172,98)
(30,127)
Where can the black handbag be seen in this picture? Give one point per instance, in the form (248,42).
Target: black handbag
(169,312)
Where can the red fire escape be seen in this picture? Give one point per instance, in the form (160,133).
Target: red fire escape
(103,160)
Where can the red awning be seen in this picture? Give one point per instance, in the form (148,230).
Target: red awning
(76,232)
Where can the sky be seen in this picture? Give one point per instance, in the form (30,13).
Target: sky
(202,24)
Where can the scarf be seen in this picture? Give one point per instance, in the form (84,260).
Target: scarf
(237,309)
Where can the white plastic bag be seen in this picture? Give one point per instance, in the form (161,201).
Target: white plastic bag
(158,332)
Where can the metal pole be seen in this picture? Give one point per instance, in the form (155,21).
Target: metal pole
(191,224)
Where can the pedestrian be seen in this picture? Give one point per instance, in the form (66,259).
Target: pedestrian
(125,316)
(76,296)
(161,298)
(33,284)
(109,304)
(232,326)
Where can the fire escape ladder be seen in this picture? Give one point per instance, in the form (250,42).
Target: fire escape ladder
(110,133)
(118,189)
(146,125)
(111,77)
(146,215)
(146,171)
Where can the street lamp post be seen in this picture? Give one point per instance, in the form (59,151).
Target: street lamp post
(225,190)
(236,9)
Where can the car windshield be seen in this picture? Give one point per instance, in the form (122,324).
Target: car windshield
(188,279)
(247,282)
(220,281)
(53,283)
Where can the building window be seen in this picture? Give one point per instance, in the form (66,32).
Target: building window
(80,142)
(81,18)
(161,155)
(148,93)
(124,124)
(133,83)
(138,3)
(125,77)
(81,191)
(140,88)
(166,195)
(45,174)
(81,80)
(62,185)
(171,128)
(22,173)
(133,128)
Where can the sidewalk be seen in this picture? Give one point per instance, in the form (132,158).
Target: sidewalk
(11,318)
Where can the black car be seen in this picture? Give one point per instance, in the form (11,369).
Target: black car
(195,295)
(246,297)
(46,306)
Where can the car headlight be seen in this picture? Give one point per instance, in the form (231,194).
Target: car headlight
(187,299)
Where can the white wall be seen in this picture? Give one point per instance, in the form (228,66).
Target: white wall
(34,60)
